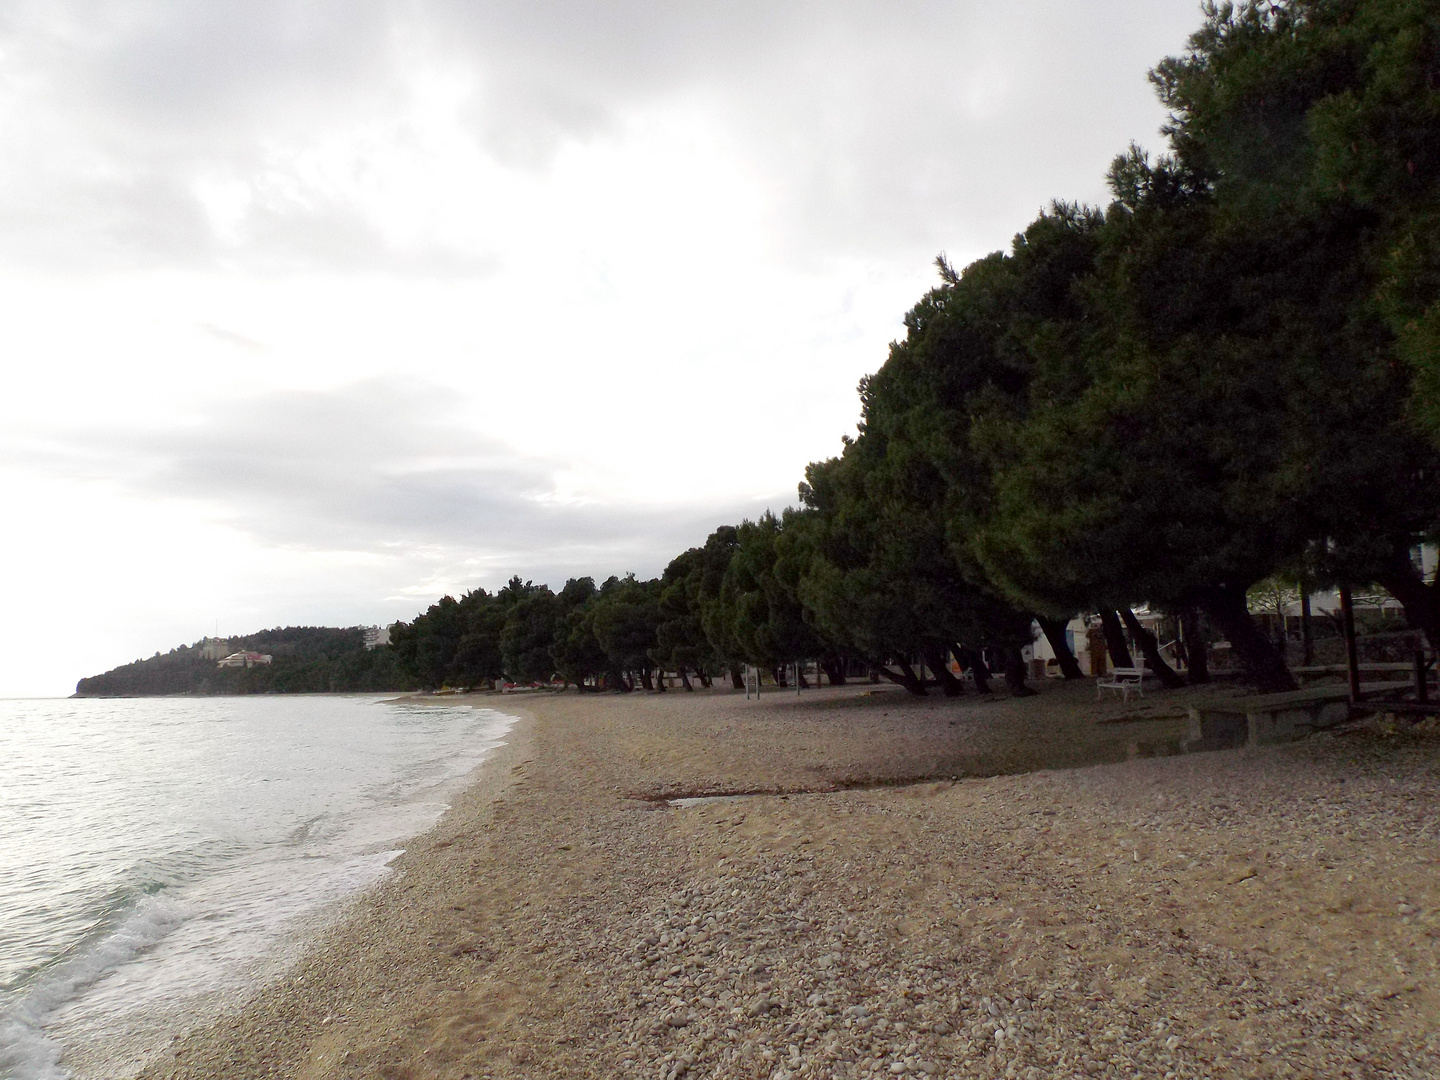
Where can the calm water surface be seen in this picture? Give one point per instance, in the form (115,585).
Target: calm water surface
(160,859)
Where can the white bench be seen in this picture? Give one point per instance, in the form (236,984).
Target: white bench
(1123,679)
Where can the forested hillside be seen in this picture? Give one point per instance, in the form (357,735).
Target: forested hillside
(307,659)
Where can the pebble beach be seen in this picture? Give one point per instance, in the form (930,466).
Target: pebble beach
(852,883)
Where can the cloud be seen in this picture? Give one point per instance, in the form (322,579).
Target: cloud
(388,469)
(670,236)
(219,333)
(910,122)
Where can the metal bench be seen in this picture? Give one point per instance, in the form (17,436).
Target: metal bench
(1123,679)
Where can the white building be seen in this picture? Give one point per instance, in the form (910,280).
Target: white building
(1076,637)
(1083,635)
(245,660)
(375,636)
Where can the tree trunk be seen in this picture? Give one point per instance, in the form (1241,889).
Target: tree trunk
(906,678)
(1151,648)
(1054,630)
(949,685)
(1115,639)
(737,678)
(1307,636)
(685,679)
(800,679)
(1264,667)
(1015,672)
(834,671)
(973,662)
(645,679)
(1420,601)
(1197,653)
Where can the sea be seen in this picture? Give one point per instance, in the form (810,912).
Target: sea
(163,859)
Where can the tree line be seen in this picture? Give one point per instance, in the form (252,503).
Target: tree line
(1228,373)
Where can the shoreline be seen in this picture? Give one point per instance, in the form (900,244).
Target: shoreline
(1215,914)
(371,915)
(180,856)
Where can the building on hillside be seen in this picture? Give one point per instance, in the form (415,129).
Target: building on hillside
(375,636)
(214,648)
(245,660)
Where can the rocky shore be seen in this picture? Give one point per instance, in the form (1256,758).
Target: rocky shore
(850,883)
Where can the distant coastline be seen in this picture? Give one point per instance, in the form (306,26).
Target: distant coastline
(296,660)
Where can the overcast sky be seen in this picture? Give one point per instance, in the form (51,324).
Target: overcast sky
(315,311)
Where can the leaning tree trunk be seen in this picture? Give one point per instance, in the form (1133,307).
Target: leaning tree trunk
(906,678)
(1151,648)
(972,661)
(737,677)
(1115,639)
(949,685)
(834,671)
(1264,666)
(800,680)
(685,679)
(1054,630)
(1420,601)
(1197,659)
(1307,638)
(1015,672)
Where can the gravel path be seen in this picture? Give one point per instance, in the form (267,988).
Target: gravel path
(1236,914)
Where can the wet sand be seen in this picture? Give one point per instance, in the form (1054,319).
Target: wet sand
(933,887)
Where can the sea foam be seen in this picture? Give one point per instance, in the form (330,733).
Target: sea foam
(192,848)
